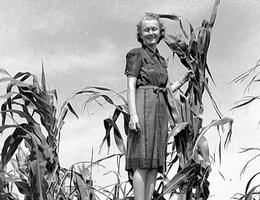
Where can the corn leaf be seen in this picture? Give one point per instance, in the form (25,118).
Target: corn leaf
(85,90)
(210,75)
(183,30)
(178,128)
(247,163)
(181,177)
(21,156)
(173,44)
(108,127)
(72,110)
(212,99)
(246,74)
(24,188)
(119,140)
(3,71)
(14,81)
(252,192)
(249,149)
(10,146)
(43,80)
(109,124)
(245,101)
(169,16)
(21,114)
(217,123)
(176,18)
(3,107)
(214,13)
(4,127)
(20,74)
(249,182)
(8,95)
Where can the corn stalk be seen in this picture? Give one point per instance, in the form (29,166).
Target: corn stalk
(192,148)
(27,108)
(35,170)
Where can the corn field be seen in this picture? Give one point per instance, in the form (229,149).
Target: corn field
(30,166)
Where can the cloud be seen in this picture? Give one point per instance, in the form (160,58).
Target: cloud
(64,34)
(192,10)
(106,56)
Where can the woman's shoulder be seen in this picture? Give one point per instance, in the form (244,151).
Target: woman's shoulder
(135,51)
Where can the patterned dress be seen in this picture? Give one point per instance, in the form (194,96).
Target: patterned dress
(146,149)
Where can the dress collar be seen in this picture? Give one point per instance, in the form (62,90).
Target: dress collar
(150,52)
(154,55)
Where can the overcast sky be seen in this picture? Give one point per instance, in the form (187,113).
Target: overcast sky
(84,43)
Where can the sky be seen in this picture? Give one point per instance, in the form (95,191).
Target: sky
(84,43)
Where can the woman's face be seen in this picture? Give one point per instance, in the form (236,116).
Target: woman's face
(150,32)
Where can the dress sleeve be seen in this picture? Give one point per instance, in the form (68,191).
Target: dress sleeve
(133,63)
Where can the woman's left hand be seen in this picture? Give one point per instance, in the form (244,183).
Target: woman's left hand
(186,77)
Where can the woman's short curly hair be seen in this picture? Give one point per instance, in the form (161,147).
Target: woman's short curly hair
(150,16)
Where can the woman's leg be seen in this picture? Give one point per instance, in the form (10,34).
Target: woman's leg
(150,183)
(139,181)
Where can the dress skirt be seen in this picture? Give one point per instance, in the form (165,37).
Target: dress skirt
(146,149)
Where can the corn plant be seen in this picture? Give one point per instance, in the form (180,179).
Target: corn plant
(191,145)
(77,181)
(251,192)
(29,157)
(103,96)
(32,152)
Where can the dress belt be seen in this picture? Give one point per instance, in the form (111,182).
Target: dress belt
(158,90)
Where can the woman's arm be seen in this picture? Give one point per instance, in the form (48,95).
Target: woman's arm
(131,87)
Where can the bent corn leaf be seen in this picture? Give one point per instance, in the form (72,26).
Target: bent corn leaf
(24,188)
(3,71)
(249,182)
(219,122)
(178,128)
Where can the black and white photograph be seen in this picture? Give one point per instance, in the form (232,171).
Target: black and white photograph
(129,100)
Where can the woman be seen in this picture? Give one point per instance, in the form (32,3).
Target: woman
(147,78)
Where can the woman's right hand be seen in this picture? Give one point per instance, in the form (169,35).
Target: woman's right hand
(131,88)
(134,123)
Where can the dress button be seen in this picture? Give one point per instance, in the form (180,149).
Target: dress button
(155,58)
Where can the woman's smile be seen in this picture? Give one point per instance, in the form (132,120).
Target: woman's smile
(150,33)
